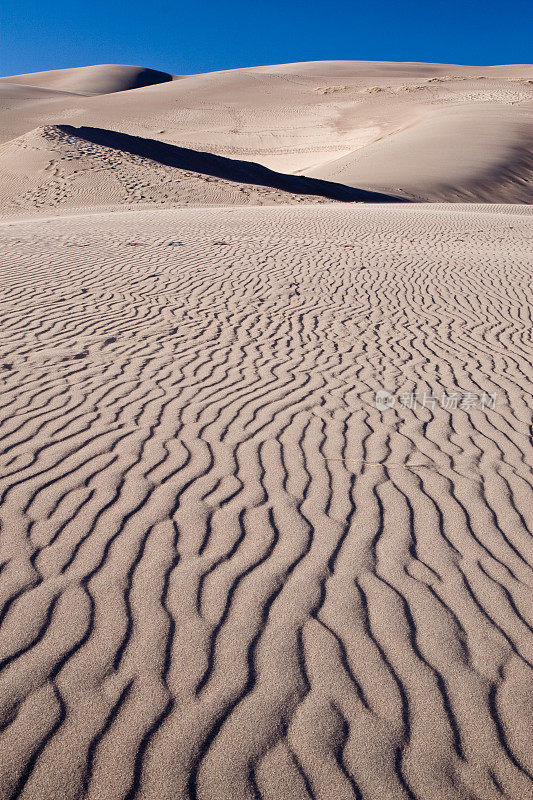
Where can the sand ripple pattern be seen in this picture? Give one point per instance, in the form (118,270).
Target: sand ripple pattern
(224,573)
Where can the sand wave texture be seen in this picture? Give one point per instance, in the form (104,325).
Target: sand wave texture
(225,574)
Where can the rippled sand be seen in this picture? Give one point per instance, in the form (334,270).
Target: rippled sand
(225,574)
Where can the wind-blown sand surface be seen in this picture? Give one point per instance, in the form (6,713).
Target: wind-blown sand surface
(226,573)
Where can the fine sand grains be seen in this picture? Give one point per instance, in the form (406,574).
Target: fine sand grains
(225,574)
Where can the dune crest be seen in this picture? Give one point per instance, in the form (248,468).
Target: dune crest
(65,168)
(97,79)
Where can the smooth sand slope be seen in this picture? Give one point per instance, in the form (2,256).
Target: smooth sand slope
(226,575)
(420,131)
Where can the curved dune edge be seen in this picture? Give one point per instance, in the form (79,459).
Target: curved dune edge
(226,573)
(96,79)
(62,168)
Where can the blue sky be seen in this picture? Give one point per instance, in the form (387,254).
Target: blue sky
(204,35)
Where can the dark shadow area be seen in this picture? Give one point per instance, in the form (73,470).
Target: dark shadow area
(150,77)
(227,168)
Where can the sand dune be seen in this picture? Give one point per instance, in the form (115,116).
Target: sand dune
(67,169)
(424,131)
(97,79)
(226,573)
(461,155)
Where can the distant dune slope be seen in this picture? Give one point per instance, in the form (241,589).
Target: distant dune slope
(424,131)
(226,573)
(97,79)
(450,154)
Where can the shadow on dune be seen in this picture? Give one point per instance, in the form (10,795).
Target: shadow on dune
(227,168)
(150,77)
